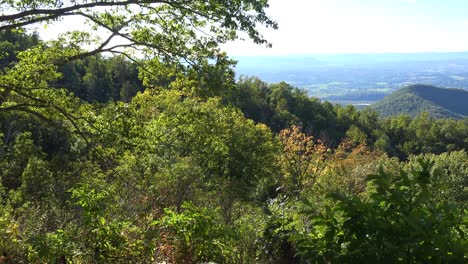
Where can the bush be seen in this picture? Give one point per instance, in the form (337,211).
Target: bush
(398,223)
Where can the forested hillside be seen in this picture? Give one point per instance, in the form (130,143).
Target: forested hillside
(164,157)
(416,99)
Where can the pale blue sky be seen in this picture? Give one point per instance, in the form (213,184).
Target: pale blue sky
(362,26)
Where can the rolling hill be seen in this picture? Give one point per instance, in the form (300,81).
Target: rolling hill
(414,99)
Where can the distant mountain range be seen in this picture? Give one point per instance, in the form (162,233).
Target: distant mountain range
(415,99)
(358,78)
(248,65)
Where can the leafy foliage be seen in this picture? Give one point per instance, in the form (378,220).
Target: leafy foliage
(165,157)
(302,159)
(400,222)
(165,29)
(194,235)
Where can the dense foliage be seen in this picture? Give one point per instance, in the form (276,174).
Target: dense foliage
(118,159)
(281,106)
(415,99)
(400,222)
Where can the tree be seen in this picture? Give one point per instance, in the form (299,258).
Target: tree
(12,42)
(179,33)
(348,168)
(163,28)
(302,159)
(98,80)
(201,145)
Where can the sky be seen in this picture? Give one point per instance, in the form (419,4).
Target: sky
(350,26)
(361,26)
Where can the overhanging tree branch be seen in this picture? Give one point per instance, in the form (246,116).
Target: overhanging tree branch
(62,11)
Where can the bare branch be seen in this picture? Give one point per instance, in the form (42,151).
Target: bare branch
(93,52)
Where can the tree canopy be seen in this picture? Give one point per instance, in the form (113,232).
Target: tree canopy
(168,29)
(181,35)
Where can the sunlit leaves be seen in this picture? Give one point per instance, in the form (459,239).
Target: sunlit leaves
(167,29)
(302,159)
(355,229)
(193,235)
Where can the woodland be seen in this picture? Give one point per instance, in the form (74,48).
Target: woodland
(144,147)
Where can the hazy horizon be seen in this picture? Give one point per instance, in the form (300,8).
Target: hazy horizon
(358,77)
(302,55)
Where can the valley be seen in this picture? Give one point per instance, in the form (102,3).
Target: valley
(359,79)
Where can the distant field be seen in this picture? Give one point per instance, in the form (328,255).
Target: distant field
(358,104)
(359,78)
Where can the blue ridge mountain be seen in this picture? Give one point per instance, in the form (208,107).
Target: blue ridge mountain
(418,98)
